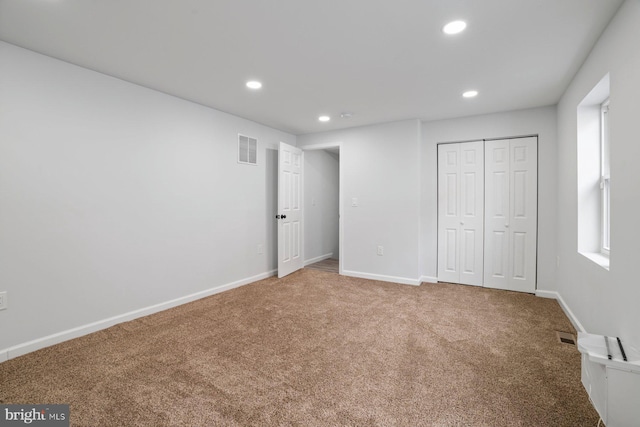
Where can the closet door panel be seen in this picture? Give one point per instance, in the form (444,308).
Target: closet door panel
(511,196)
(461,212)
(472,213)
(524,214)
(496,255)
(448,212)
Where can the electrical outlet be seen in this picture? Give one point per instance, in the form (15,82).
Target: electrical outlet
(380,250)
(4,302)
(260,249)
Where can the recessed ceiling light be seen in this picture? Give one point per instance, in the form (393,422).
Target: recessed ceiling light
(454,27)
(470,93)
(254,84)
(324,118)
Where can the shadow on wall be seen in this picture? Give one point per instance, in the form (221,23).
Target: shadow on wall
(271,193)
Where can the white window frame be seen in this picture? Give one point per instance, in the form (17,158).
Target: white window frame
(605,180)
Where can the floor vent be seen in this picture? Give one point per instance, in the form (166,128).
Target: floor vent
(566,338)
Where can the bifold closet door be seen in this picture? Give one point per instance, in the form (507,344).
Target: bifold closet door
(461,212)
(511,196)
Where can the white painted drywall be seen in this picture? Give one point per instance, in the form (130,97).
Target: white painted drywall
(321,210)
(537,121)
(605,302)
(115,197)
(380,168)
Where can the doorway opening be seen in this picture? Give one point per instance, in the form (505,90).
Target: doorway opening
(323,208)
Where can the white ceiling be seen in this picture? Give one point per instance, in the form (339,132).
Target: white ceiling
(383,60)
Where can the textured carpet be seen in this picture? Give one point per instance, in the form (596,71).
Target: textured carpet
(319,349)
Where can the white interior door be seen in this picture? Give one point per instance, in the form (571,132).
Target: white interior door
(461,212)
(511,195)
(472,213)
(448,212)
(289,217)
(496,268)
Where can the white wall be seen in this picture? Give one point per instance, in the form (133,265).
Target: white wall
(605,302)
(380,167)
(321,210)
(539,121)
(115,197)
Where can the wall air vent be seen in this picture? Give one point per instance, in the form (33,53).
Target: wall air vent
(566,338)
(247,150)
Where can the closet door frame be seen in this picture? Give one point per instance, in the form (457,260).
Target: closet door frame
(509,235)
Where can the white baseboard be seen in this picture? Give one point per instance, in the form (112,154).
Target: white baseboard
(547,294)
(428,279)
(393,279)
(555,295)
(37,344)
(572,317)
(318,259)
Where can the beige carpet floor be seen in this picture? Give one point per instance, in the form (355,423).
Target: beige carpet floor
(319,349)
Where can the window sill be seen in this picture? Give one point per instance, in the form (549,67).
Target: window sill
(599,258)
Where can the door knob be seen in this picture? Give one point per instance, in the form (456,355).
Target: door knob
(281,216)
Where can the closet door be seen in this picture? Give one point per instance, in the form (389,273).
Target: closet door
(511,196)
(448,212)
(460,212)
